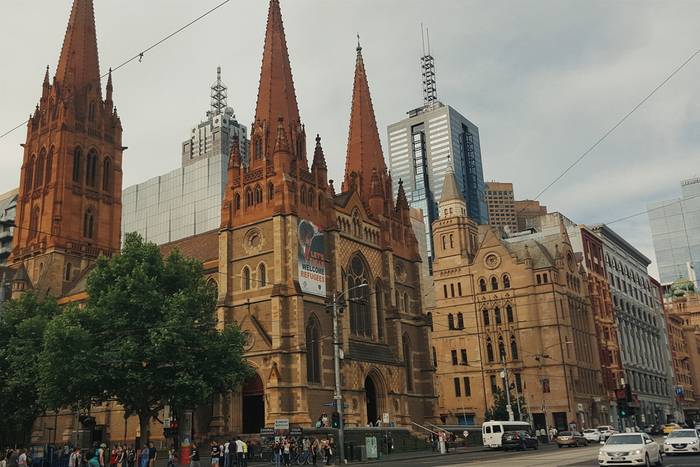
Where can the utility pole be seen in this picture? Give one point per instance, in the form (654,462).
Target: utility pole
(338,397)
(509,408)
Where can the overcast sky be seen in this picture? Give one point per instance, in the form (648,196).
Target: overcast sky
(541,79)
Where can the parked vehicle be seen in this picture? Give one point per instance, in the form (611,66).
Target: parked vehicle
(653,430)
(570,438)
(670,428)
(606,431)
(519,440)
(630,449)
(592,435)
(682,441)
(492,431)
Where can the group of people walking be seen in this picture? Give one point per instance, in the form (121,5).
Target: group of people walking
(15,458)
(287,450)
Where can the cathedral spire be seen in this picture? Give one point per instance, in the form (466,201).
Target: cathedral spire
(79,63)
(364,149)
(276,95)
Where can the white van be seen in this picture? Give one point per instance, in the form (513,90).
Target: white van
(492,431)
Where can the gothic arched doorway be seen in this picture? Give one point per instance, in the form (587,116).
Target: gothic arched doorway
(253,405)
(371,400)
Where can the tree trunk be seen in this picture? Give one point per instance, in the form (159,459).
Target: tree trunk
(144,424)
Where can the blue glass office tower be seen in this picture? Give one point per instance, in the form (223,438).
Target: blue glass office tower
(422,146)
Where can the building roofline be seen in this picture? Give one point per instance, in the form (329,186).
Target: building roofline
(621,242)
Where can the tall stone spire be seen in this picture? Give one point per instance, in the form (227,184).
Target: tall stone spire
(364,148)
(276,95)
(79,62)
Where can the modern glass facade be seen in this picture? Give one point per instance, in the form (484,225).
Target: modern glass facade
(421,148)
(675,230)
(179,204)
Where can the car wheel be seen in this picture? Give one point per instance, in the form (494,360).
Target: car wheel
(559,446)
(660,462)
(646,461)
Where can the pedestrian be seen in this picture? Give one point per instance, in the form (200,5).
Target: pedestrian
(172,457)
(328,452)
(113,457)
(286,453)
(152,454)
(22,459)
(131,457)
(121,456)
(12,458)
(143,457)
(277,453)
(74,459)
(94,460)
(194,456)
(245,453)
(215,453)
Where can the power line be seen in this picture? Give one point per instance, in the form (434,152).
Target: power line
(139,56)
(619,123)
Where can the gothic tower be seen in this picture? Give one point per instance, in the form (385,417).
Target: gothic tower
(69,203)
(454,233)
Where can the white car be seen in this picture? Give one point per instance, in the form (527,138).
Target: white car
(630,449)
(592,434)
(606,431)
(682,441)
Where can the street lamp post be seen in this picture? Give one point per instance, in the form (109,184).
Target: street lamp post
(338,396)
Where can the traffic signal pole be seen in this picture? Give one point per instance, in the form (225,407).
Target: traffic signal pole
(338,397)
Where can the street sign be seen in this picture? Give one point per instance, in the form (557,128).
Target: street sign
(385,418)
(333,404)
(295,431)
(282,424)
(267,432)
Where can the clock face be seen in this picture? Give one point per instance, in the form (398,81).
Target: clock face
(492,260)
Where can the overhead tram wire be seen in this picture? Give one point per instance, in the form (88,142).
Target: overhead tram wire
(619,122)
(139,56)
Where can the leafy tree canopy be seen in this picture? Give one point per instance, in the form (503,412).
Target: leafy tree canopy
(147,337)
(499,411)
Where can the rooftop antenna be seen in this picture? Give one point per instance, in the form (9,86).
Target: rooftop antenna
(428,71)
(219,94)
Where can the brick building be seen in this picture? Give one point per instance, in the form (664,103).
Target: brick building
(287,240)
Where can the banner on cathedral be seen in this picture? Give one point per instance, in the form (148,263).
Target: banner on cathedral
(312,258)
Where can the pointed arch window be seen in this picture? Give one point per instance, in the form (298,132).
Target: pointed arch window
(360,317)
(69,270)
(489,350)
(107,174)
(501,349)
(258,195)
(513,348)
(450,321)
(91,169)
(460,321)
(77,162)
(452,241)
(258,148)
(270,191)
(379,300)
(303,195)
(444,242)
(34,223)
(39,171)
(494,283)
(409,362)
(506,281)
(29,174)
(92,111)
(406,303)
(313,352)
(262,275)
(429,317)
(49,166)
(509,313)
(320,200)
(245,279)
(497,315)
(485,313)
(237,201)
(248,197)
(89,224)
(482,284)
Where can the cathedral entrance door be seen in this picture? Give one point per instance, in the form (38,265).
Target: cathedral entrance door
(253,402)
(371,400)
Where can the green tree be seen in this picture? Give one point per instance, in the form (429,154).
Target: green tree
(22,326)
(498,410)
(147,337)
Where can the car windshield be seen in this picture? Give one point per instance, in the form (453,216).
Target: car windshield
(565,433)
(589,431)
(682,434)
(625,439)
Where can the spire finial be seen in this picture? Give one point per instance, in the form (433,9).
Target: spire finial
(359,46)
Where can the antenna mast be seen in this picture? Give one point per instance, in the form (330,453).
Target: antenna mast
(428,71)
(219,94)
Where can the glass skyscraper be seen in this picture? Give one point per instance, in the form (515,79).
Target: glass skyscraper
(187,201)
(675,230)
(422,146)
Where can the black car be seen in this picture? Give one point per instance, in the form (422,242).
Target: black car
(519,440)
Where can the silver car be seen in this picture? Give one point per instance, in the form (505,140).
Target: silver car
(682,441)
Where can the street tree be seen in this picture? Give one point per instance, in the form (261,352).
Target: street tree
(499,410)
(22,325)
(147,337)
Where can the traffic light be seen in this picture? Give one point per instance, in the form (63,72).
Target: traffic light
(622,410)
(335,420)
